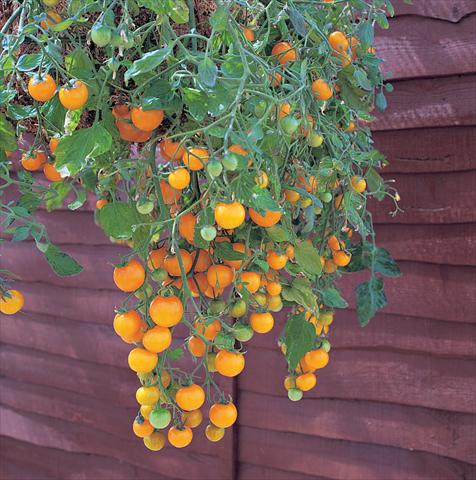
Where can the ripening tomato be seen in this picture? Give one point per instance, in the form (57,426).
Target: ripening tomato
(33,161)
(9,305)
(156,258)
(157,339)
(146,120)
(52,18)
(223,415)
(229,364)
(203,262)
(267,220)
(317,358)
(190,397)
(261,322)
(101,202)
(284,52)
(195,158)
(249,34)
(229,215)
(321,89)
(171,150)
(141,360)
(276,261)
(142,428)
(155,441)
(128,323)
(196,346)
(193,418)
(338,41)
(147,395)
(306,381)
(166,311)
(130,277)
(73,97)
(214,433)
(180,437)
(172,264)
(42,88)
(220,276)
(249,280)
(358,183)
(179,179)
(50,172)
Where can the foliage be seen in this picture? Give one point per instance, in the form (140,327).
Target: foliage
(230,151)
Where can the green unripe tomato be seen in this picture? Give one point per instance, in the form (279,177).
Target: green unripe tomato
(160,418)
(214,168)
(155,237)
(230,162)
(224,341)
(242,332)
(326,197)
(160,275)
(326,345)
(289,124)
(260,108)
(50,3)
(216,306)
(144,206)
(315,139)
(101,35)
(305,202)
(238,309)
(318,210)
(208,233)
(144,292)
(294,394)
(211,362)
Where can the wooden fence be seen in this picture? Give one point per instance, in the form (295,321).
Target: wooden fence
(398,398)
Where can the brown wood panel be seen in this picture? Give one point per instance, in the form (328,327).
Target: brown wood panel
(431,102)
(445,149)
(392,332)
(83,411)
(57,433)
(343,460)
(453,244)
(425,290)
(247,471)
(403,378)
(425,47)
(49,370)
(411,428)
(451,10)
(41,462)
(428,198)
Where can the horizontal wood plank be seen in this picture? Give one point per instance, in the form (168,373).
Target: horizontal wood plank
(56,433)
(343,460)
(443,433)
(445,149)
(451,10)
(431,102)
(40,463)
(402,378)
(425,47)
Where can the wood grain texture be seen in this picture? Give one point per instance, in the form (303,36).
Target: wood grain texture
(451,10)
(313,455)
(445,149)
(430,102)
(403,378)
(411,428)
(424,47)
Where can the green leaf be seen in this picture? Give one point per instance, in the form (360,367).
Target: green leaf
(225,251)
(250,194)
(8,139)
(299,337)
(278,234)
(301,293)
(381,101)
(178,11)
(382,21)
(57,192)
(308,258)
(7,95)
(375,184)
(365,33)
(29,62)
(80,200)
(207,72)
(117,219)
(74,151)
(370,297)
(298,21)
(61,263)
(21,233)
(332,298)
(175,354)
(219,20)
(20,112)
(385,264)
(147,62)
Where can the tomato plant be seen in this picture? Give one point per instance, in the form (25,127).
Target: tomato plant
(228,145)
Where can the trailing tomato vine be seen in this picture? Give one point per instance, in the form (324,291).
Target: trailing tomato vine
(228,146)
